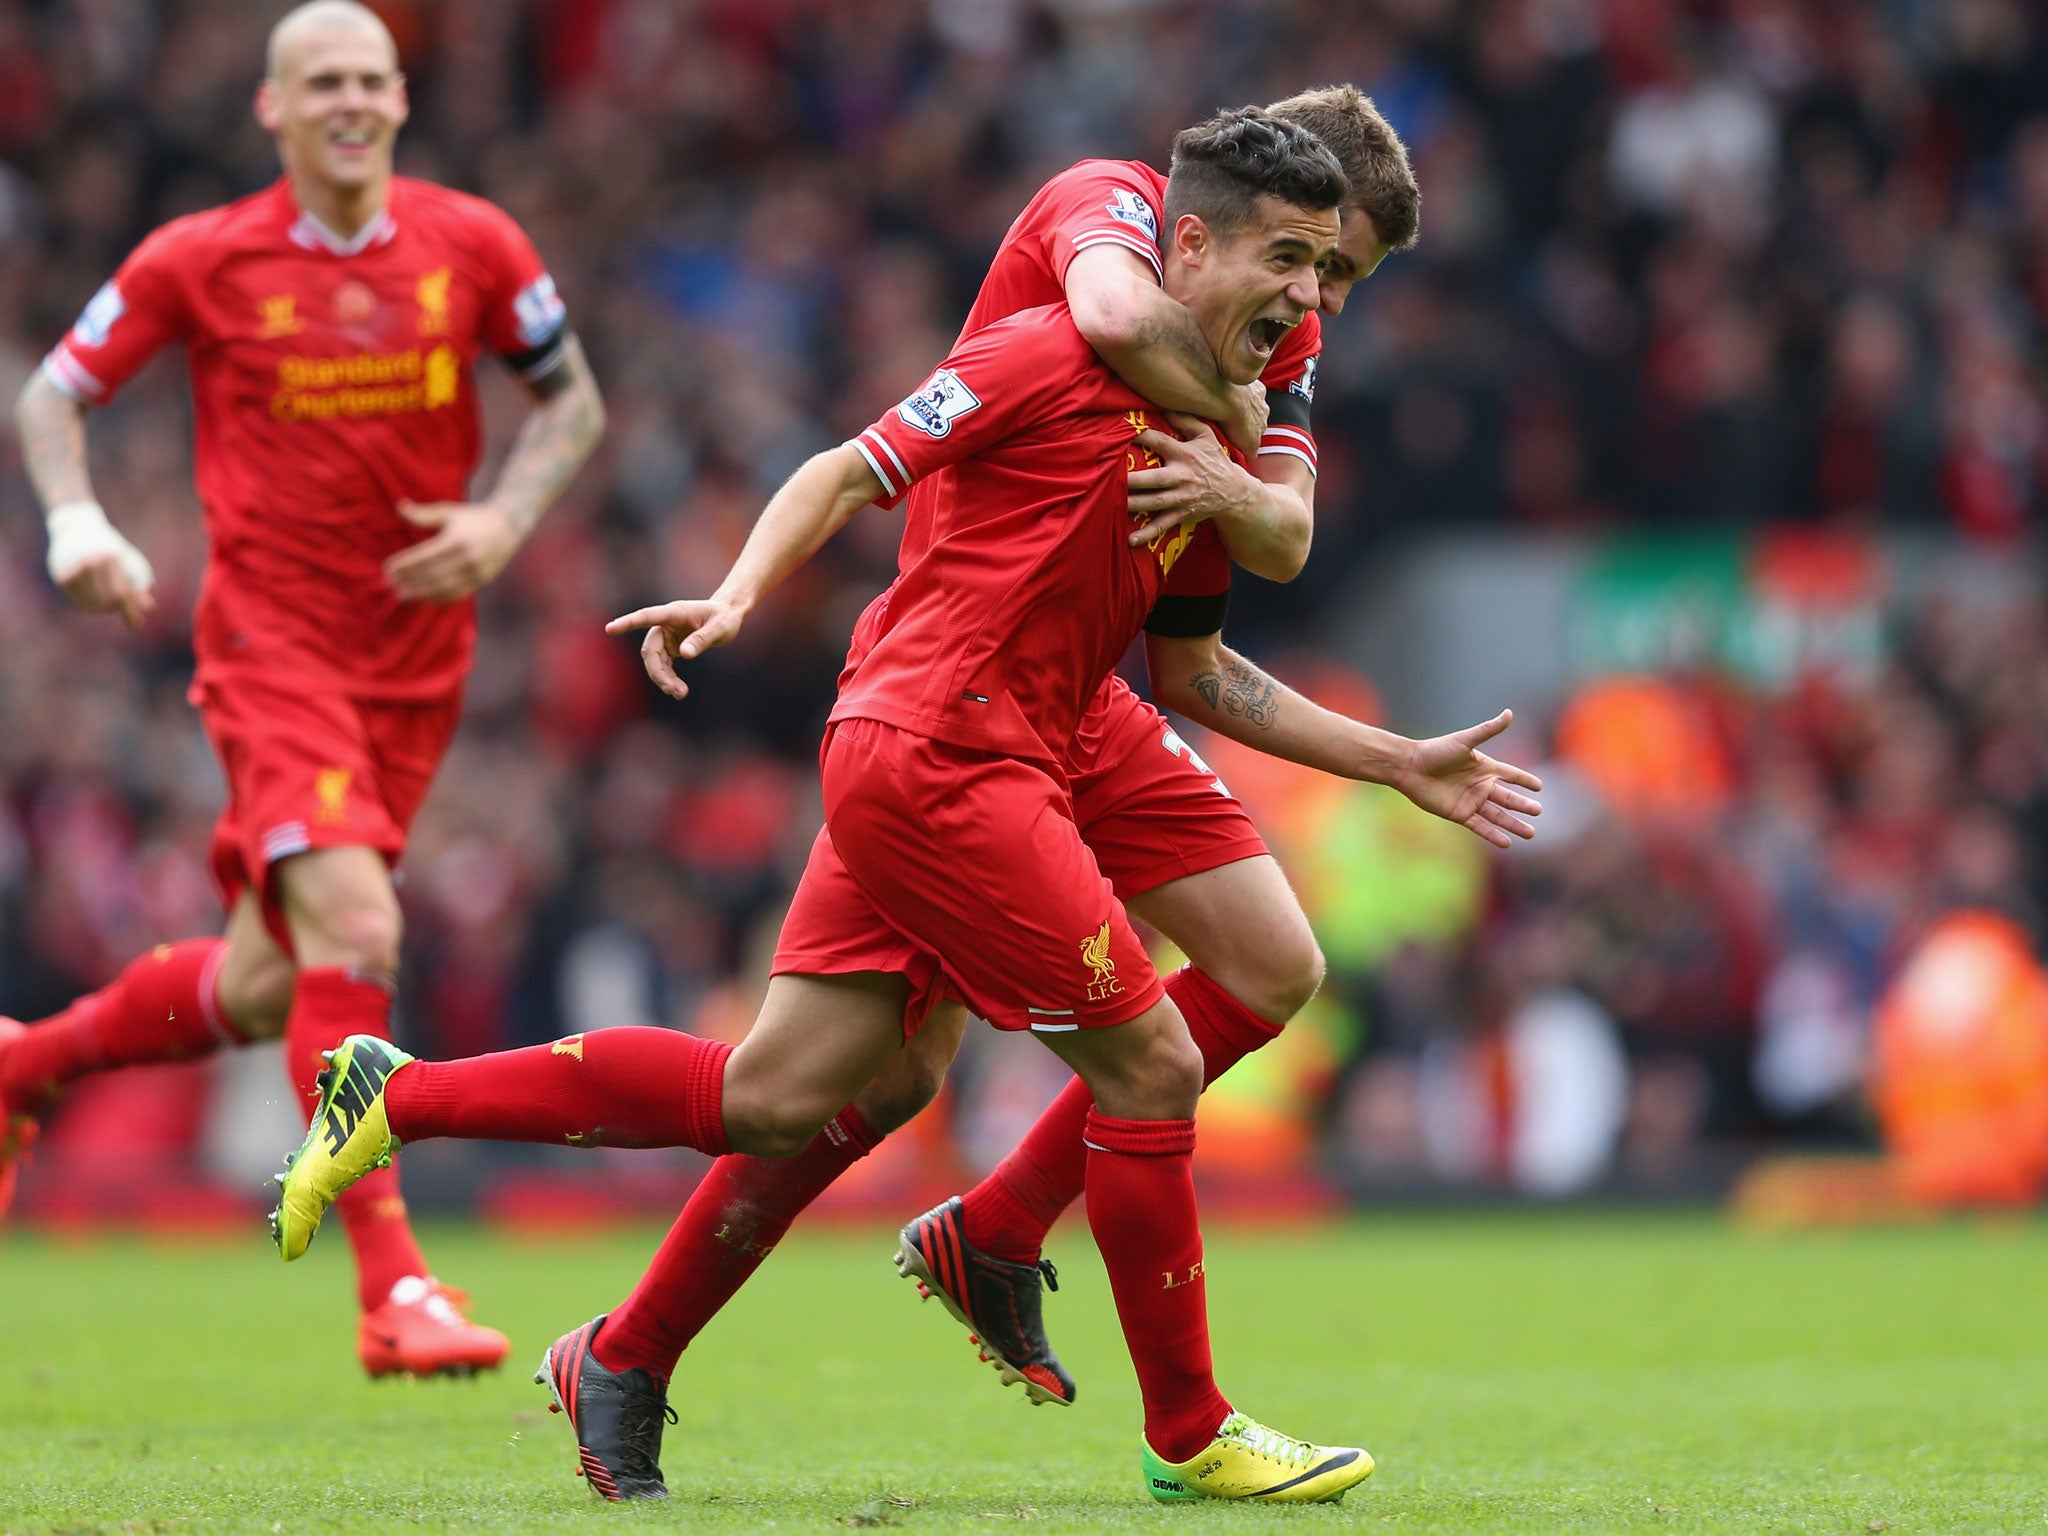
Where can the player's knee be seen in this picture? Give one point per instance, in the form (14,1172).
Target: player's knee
(363,932)
(1282,978)
(1297,977)
(1180,1072)
(767,1124)
(256,996)
(779,1135)
(1164,1080)
(894,1100)
(926,1079)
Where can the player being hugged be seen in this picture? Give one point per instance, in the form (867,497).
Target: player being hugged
(952,864)
(1177,848)
(331,325)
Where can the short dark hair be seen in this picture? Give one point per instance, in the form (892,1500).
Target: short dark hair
(1222,168)
(1375,160)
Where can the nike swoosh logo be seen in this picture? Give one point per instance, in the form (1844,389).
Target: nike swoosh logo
(1312,1473)
(388,1340)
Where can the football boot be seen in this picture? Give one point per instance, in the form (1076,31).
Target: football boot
(421,1331)
(995,1300)
(617,1417)
(349,1137)
(1246,1460)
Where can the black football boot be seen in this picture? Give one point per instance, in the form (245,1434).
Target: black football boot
(997,1301)
(617,1417)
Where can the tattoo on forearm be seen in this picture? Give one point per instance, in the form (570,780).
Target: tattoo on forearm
(552,445)
(1240,689)
(52,428)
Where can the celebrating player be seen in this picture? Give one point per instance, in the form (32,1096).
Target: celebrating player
(1178,849)
(950,859)
(331,323)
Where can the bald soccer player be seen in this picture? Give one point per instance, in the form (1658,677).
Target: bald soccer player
(332,324)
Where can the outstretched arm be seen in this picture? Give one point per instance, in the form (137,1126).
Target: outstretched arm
(91,562)
(813,504)
(474,541)
(1447,776)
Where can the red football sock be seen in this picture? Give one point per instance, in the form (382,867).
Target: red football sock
(164,1007)
(328,1003)
(633,1086)
(1009,1212)
(1141,1207)
(733,1221)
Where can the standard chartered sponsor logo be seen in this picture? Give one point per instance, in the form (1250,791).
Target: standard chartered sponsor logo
(366,384)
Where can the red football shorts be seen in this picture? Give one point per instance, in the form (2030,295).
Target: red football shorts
(834,930)
(972,863)
(312,770)
(1151,810)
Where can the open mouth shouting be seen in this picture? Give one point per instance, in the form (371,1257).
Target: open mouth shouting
(1266,332)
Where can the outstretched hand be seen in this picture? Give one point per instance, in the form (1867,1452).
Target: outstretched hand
(1449,776)
(679,631)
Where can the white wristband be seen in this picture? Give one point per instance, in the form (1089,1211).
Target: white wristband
(79,532)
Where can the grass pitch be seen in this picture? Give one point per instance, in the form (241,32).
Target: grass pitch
(1526,1374)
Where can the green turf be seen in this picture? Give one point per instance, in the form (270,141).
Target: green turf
(1539,1374)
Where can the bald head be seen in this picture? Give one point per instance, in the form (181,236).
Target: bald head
(334,100)
(299,28)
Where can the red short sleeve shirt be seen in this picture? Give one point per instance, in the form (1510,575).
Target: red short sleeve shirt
(1025,591)
(331,381)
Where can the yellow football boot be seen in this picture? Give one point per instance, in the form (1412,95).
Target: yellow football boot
(349,1137)
(1246,1460)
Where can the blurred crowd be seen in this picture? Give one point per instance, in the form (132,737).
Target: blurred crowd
(1707,941)
(1736,261)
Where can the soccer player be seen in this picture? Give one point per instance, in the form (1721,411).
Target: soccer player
(331,325)
(951,860)
(1178,849)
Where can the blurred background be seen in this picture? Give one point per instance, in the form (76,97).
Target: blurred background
(1705,427)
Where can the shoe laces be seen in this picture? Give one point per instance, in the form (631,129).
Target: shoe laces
(1052,1276)
(1254,1436)
(640,1445)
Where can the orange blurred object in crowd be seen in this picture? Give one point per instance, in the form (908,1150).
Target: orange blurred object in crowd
(1959,1070)
(1649,745)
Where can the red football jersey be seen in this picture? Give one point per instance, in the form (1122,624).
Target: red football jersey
(1123,203)
(331,380)
(1002,626)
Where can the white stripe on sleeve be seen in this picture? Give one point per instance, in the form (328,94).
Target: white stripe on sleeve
(895,458)
(1129,242)
(1291,453)
(860,446)
(72,377)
